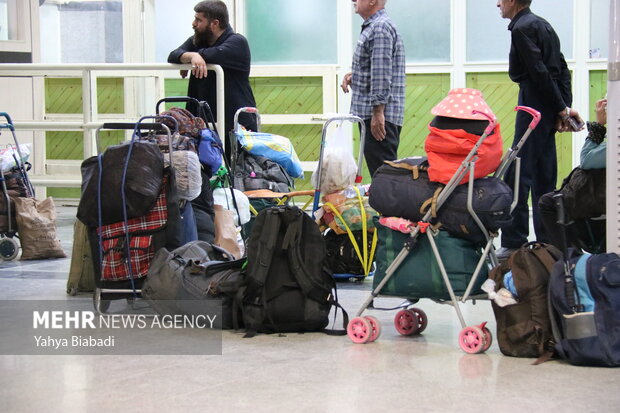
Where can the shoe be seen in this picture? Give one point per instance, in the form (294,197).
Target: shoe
(503,253)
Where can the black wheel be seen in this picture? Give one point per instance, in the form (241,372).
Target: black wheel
(101,306)
(8,249)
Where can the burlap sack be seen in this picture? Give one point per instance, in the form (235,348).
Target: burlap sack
(36,224)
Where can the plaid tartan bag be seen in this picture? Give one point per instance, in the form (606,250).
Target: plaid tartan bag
(132,244)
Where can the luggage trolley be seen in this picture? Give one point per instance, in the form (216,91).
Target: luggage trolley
(260,198)
(365,252)
(9,247)
(411,320)
(130,289)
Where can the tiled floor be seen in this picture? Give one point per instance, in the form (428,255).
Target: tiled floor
(297,372)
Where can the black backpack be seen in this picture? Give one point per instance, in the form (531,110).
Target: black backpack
(287,287)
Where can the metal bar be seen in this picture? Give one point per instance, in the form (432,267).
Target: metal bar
(446,279)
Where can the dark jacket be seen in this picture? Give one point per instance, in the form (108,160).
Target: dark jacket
(536,60)
(232,52)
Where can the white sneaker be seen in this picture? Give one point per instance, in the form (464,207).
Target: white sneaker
(503,253)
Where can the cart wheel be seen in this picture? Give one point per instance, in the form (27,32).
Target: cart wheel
(8,249)
(376,328)
(406,322)
(422,319)
(101,306)
(359,330)
(488,338)
(472,340)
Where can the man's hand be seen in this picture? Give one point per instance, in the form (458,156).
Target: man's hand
(377,123)
(346,82)
(562,123)
(199,66)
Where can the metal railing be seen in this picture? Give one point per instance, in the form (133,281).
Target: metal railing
(90,119)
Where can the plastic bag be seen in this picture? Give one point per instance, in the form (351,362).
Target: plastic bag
(210,151)
(188,178)
(274,147)
(8,156)
(223,197)
(339,167)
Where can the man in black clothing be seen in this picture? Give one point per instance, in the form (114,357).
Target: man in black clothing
(215,42)
(538,66)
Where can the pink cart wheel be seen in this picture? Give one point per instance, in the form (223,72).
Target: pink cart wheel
(422,319)
(406,322)
(472,340)
(376,328)
(359,330)
(488,338)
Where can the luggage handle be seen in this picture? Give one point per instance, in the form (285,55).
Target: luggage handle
(573,300)
(205,110)
(9,122)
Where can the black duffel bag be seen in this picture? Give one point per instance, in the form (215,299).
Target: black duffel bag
(584,193)
(402,189)
(142,185)
(195,279)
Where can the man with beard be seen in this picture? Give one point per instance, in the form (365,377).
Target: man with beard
(215,42)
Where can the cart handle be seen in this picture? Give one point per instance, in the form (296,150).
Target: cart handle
(9,124)
(535,115)
(492,121)
(131,126)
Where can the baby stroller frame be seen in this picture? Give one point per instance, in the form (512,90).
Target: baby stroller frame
(364,256)
(472,339)
(9,248)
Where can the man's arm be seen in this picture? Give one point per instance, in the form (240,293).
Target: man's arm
(380,76)
(233,53)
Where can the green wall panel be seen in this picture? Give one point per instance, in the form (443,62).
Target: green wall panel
(69,145)
(288,95)
(64,95)
(598,90)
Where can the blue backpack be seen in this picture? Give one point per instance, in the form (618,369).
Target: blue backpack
(210,151)
(584,305)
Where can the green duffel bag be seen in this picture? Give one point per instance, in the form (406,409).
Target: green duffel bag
(418,276)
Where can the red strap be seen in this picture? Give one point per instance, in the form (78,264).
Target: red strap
(423,226)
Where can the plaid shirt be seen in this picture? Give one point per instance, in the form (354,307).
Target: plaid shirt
(379,70)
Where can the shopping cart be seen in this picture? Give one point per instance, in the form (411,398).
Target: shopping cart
(16,173)
(411,320)
(116,247)
(274,188)
(359,241)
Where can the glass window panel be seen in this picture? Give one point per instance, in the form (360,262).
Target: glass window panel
(292,31)
(599,29)
(173,25)
(81,32)
(489,40)
(5,29)
(425,28)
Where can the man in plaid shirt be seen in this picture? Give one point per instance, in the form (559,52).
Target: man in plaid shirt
(378,82)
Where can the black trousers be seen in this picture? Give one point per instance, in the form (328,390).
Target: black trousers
(376,152)
(538,168)
(586,234)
